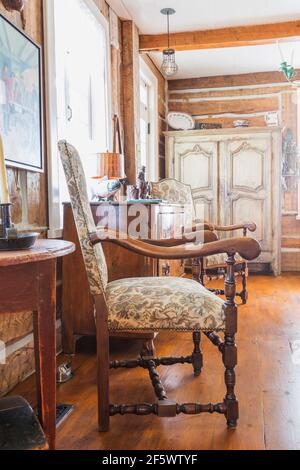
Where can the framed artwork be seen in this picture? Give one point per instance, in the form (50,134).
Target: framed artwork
(20,98)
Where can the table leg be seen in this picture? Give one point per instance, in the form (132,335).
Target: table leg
(45,347)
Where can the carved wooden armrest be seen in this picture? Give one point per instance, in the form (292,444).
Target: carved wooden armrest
(204,236)
(197,225)
(248,248)
(251,226)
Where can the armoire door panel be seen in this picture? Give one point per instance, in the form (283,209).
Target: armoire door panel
(248,168)
(197,165)
(246,164)
(203,208)
(247,208)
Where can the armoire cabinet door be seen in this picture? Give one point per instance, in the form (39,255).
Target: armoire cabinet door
(245,177)
(196,164)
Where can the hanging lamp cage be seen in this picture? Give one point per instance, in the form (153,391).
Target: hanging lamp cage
(169,67)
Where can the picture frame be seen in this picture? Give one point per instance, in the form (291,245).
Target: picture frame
(21,98)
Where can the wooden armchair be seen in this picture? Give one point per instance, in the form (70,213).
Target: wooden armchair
(155,304)
(214,266)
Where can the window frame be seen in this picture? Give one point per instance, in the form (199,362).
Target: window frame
(55,224)
(146,74)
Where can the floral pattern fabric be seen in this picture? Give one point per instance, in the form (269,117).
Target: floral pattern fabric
(172,191)
(163,304)
(220,260)
(93,256)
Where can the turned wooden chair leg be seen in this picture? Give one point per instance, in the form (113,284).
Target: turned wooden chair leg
(102,365)
(230,349)
(197,354)
(230,361)
(148,349)
(244,293)
(196,269)
(202,272)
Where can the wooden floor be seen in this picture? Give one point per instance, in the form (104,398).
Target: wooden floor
(268,385)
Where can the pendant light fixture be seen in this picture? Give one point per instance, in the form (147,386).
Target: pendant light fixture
(169,67)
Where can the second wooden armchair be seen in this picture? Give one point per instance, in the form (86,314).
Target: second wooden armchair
(176,192)
(155,304)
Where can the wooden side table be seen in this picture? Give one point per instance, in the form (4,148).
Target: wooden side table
(28,282)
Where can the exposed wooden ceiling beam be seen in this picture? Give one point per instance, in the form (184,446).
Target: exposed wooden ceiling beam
(225,37)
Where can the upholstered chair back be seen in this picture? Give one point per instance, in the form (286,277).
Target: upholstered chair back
(174,192)
(93,256)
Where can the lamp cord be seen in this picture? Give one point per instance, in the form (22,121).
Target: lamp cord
(168,30)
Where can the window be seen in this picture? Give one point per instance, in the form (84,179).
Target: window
(148,150)
(145,125)
(77,89)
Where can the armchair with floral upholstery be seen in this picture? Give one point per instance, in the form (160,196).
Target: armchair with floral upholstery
(152,304)
(176,192)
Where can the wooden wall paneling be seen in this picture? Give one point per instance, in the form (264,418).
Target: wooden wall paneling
(20,362)
(103,7)
(230,97)
(15,326)
(19,365)
(33,18)
(131,94)
(15,192)
(246,79)
(36,206)
(222,37)
(230,92)
(240,106)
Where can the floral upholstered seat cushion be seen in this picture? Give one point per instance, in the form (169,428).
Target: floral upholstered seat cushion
(163,303)
(219,260)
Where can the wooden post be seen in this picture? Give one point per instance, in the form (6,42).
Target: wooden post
(131,97)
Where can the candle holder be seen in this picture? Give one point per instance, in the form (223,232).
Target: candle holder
(10,238)
(7,230)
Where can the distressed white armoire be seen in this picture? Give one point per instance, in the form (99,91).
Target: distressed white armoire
(235,175)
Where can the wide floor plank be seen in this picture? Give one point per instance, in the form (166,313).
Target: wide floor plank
(268,384)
